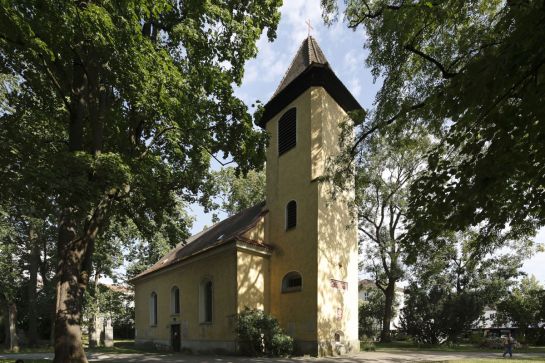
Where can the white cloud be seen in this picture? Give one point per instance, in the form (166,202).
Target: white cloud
(351,60)
(250,72)
(295,13)
(355,87)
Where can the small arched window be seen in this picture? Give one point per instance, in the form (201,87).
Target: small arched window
(292,282)
(291,214)
(175,300)
(206,301)
(153,309)
(287,131)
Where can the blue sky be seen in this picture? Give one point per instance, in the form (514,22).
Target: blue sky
(344,50)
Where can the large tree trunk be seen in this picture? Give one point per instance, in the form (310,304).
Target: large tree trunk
(389,295)
(32,333)
(12,322)
(71,248)
(5,319)
(89,104)
(70,288)
(94,324)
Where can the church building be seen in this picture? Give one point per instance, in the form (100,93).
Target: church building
(294,255)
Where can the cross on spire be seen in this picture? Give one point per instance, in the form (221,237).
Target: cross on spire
(310,28)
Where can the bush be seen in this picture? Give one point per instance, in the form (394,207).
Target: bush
(497,343)
(260,334)
(367,346)
(476,339)
(401,336)
(281,345)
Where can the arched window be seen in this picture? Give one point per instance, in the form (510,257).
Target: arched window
(291,214)
(292,282)
(206,295)
(287,130)
(175,300)
(153,309)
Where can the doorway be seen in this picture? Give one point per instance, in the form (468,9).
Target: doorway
(175,338)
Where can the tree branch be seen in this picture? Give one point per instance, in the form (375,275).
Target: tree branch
(371,15)
(391,120)
(444,72)
(368,234)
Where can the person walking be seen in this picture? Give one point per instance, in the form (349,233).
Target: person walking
(508,343)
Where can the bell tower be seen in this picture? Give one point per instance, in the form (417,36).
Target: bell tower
(314,266)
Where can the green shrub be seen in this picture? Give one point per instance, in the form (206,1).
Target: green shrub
(476,339)
(281,345)
(260,334)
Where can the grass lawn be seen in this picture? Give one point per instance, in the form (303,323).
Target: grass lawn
(407,345)
(44,349)
(490,360)
(120,346)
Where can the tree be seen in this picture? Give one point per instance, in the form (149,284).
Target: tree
(123,106)
(384,171)
(450,286)
(522,307)
(110,302)
(371,313)
(472,72)
(237,192)
(150,244)
(10,277)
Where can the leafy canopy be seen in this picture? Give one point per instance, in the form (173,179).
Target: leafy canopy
(473,73)
(234,191)
(450,286)
(126,100)
(523,306)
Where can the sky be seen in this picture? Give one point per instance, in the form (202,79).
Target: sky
(344,50)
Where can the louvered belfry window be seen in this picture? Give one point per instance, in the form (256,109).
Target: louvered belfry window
(287,127)
(291,214)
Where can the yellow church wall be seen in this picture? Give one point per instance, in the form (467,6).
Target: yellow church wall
(219,265)
(252,280)
(337,240)
(323,245)
(289,178)
(257,233)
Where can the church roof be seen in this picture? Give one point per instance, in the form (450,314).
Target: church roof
(309,68)
(309,52)
(228,230)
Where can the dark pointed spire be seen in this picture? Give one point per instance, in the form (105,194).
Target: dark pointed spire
(309,68)
(309,52)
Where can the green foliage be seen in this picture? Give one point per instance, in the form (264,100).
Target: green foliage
(367,346)
(158,82)
(450,286)
(523,306)
(473,73)
(260,334)
(281,345)
(236,191)
(110,115)
(435,315)
(110,301)
(383,172)
(371,313)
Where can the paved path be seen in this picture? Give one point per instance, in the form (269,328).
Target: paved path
(379,357)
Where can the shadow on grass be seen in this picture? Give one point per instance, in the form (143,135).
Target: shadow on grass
(463,347)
